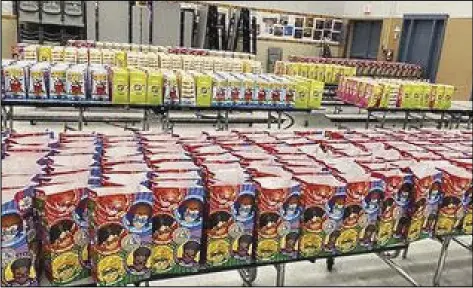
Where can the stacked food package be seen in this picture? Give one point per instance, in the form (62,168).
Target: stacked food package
(384,93)
(141,56)
(368,67)
(125,206)
(327,73)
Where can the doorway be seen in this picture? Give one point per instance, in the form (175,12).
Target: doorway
(421,42)
(365,39)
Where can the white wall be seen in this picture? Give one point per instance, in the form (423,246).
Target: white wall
(396,9)
(334,8)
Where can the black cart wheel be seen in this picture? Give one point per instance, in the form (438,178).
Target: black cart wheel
(248,275)
(330,262)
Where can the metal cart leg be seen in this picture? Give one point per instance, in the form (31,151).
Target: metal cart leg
(367,124)
(383,120)
(441,262)
(398,269)
(279,120)
(406,120)
(248,275)
(10,117)
(226,120)
(145,119)
(269,119)
(280,274)
(422,120)
(404,252)
(80,122)
(330,262)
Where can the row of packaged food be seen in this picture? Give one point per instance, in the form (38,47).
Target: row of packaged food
(120,85)
(368,67)
(327,73)
(155,48)
(125,206)
(123,58)
(368,92)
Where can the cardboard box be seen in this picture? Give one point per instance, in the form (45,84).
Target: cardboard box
(99,89)
(64,232)
(155,83)
(323,198)
(19,243)
(57,81)
(119,83)
(120,58)
(177,227)
(44,53)
(278,219)
(316,94)
(170,88)
(16,76)
(231,213)
(138,86)
(303,89)
(76,82)
(39,75)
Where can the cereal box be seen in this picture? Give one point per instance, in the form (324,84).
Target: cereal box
(316,94)
(57,81)
(302,93)
(99,89)
(203,86)
(137,86)
(448,94)
(155,87)
(39,74)
(177,226)
(16,76)
(219,89)
(120,58)
(95,56)
(323,198)
(76,81)
(119,83)
(44,53)
(170,88)
(278,219)
(19,241)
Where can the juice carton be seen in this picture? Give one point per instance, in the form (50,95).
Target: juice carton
(57,81)
(120,58)
(323,198)
(76,81)
(187,88)
(231,215)
(235,91)
(399,195)
(39,74)
(155,87)
(316,94)
(448,94)
(219,89)
(119,84)
(262,91)
(63,211)
(31,53)
(99,89)
(302,93)
(290,88)
(19,244)
(170,88)
(95,56)
(108,57)
(177,226)
(70,55)
(292,69)
(278,219)
(455,211)
(362,210)
(137,86)
(44,53)
(277,93)
(16,76)
(82,55)
(427,195)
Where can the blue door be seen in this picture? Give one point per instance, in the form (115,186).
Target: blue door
(365,39)
(421,42)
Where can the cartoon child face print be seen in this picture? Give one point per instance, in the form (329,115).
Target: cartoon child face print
(335,207)
(114,207)
(170,198)
(244,243)
(244,207)
(434,193)
(12,227)
(291,206)
(81,213)
(372,201)
(273,198)
(163,227)
(358,190)
(224,196)
(190,212)
(139,216)
(189,253)
(219,223)
(403,196)
(268,224)
(313,219)
(109,236)
(140,258)
(351,215)
(21,272)
(62,235)
(62,203)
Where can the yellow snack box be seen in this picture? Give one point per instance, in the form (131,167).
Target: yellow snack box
(312,72)
(303,70)
(448,94)
(44,53)
(316,93)
(321,72)
(137,86)
(303,88)
(119,78)
(203,85)
(328,73)
(120,58)
(154,95)
(425,98)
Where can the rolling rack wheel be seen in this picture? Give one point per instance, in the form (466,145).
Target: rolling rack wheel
(248,275)
(330,261)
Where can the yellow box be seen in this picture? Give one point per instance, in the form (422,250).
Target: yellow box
(120,58)
(448,94)
(203,85)
(137,86)
(316,93)
(119,78)
(154,95)
(303,88)
(44,54)
(303,70)
(321,72)
(328,74)
(425,103)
